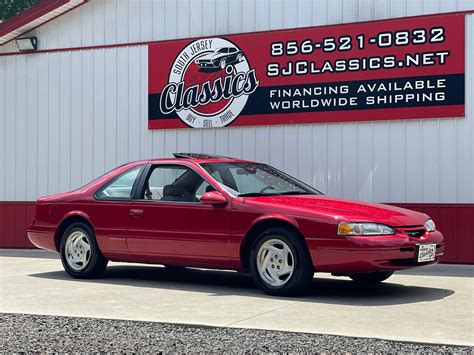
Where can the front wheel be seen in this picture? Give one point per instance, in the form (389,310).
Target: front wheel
(280,263)
(80,254)
(371,277)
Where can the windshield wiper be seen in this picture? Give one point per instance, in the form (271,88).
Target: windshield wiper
(296,193)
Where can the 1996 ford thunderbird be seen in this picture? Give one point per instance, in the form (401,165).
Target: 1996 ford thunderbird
(209,211)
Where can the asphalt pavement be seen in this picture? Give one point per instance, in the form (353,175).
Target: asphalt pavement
(426,305)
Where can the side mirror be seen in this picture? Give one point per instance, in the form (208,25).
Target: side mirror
(214,198)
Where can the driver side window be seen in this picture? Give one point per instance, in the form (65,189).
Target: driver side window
(173,183)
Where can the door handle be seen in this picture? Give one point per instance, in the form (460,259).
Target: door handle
(136,213)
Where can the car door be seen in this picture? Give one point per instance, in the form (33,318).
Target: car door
(110,211)
(169,224)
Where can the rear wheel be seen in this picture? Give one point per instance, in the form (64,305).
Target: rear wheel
(80,254)
(280,263)
(371,277)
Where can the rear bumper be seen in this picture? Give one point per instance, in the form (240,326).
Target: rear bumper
(364,254)
(42,237)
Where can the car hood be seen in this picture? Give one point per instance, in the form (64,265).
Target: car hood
(341,209)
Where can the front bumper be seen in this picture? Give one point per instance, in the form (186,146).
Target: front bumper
(365,254)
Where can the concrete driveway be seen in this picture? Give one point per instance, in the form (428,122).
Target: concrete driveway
(433,304)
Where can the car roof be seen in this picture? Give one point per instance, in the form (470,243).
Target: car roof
(197,158)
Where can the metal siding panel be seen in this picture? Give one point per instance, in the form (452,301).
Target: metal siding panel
(208,17)
(447,160)
(134,19)
(222,16)
(184,28)
(414,161)
(20,129)
(65,137)
(235,14)
(53,126)
(76,120)
(10,129)
(87,116)
(304,153)
(349,11)
(262,15)
(381,164)
(122,105)
(290,153)
(98,115)
(145,139)
(349,145)
(249,15)
(397,8)
(134,103)
(414,8)
(319,166)
(365,162)
(87,23)
(335,161)
(122,21)
(290,14)
(196,22)
(3,133)
(110,112)
(110,21)
(430,162)
(334,11)
(397,161)
(365,10)
(171,19)
(98,11)
(305,12)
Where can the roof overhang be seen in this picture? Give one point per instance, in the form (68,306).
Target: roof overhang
(35,16)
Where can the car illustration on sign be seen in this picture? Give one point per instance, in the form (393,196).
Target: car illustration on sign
(200,210)
(220,58)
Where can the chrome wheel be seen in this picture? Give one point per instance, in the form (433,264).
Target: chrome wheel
(275,262)
(77,250)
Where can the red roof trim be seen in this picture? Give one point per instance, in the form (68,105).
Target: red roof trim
(43,8)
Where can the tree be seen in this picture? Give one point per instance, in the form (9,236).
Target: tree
(10,8)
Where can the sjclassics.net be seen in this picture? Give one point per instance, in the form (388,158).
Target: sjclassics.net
(300,54)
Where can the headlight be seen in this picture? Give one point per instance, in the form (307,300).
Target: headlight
(430,225)
(363,229)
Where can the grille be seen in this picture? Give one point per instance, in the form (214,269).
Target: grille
(417,233)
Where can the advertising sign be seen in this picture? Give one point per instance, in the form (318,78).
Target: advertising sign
(380,70)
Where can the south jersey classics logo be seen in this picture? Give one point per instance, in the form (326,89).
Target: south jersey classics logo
(209,84)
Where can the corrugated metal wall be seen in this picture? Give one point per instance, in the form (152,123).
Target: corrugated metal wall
(67,117)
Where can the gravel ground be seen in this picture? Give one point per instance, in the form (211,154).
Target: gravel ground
(35,333)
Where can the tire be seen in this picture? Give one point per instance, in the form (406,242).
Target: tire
(371,278)
(222,64)
(78,241)
(291,283)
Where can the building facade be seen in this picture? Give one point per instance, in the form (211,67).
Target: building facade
(78,107)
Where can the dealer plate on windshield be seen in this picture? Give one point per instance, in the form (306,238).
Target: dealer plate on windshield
(426,252)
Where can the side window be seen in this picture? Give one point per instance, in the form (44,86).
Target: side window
(173,183)
(120,187)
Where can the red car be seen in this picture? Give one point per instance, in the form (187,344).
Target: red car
(209,211)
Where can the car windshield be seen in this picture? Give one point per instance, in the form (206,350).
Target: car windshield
(222,50)
(247,179)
